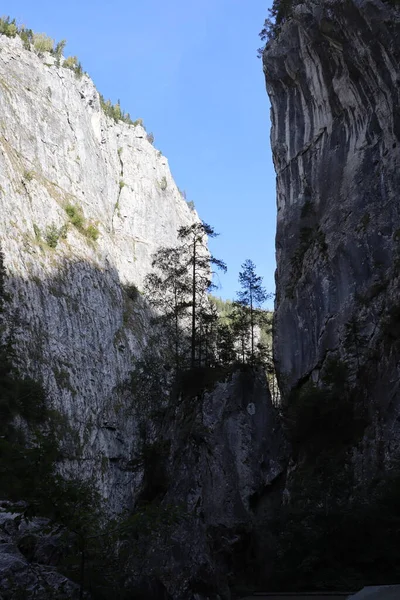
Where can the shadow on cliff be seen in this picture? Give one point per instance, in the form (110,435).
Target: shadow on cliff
(201,462)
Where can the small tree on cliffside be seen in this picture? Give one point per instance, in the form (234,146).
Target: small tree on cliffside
(278,13)
(251,297)
(199,262)
(168,289)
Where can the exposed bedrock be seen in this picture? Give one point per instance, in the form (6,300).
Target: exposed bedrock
(333,79)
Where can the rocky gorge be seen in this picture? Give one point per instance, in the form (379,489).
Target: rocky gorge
(206,490)
(333,79)
(332,75)
(86,200)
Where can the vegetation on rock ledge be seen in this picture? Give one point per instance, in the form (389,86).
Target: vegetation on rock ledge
(40,43)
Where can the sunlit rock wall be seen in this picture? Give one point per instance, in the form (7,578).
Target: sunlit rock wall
(73,326)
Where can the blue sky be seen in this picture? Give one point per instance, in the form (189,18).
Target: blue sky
(190,71)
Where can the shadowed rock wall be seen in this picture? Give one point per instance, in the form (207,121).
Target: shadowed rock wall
(333,79)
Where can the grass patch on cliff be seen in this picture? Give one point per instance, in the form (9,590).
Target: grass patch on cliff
(75,215)
(77,219)
(41,43)
(74,65)
(115,112)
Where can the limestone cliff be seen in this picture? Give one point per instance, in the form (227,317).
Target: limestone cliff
(69,175)
(84,202)
(332,75)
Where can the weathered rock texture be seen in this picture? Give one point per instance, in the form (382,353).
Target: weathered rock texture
(216,464)
(227,454)
(77,324)
(28,560)
(74,327)
(333,78)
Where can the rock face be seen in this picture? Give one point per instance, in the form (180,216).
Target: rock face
(74,326)
(332,76)
(227,452)
(84,203)
(215,462)
(28,561)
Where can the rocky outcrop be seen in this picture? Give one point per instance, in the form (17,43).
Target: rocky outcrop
(84,203)
(332,75)
(227,456)
(28,559)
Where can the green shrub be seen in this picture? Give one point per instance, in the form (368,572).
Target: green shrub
(27,175)
(92,232)
(8,27)
(77,219)
(150,138)
(64,231)
(12,30)
(114,111)
(75,215)
(52,235)
(26,36)
(121,184)
(163,183)
(132,292)
(191,205)
(42,42)
(74,65)
(37,233)
(58,50)
(138,122)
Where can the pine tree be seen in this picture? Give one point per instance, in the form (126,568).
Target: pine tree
(239,319)
(225,346)
(199,262)
(207,333)
(251,297)
(278,13)
(168,289)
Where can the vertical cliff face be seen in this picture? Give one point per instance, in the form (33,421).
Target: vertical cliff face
(84,203)
(333,79)
(227,453)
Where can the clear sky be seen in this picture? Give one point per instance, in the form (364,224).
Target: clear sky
(190,70)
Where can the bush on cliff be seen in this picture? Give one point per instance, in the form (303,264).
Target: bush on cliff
(278,13)
(115,112)
(42,42)
(8,27)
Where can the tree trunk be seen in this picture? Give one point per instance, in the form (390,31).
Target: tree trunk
(82,573)
(176,335)
(193,348)
(252,325)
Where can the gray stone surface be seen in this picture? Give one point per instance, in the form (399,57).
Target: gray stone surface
(73,326)
(224,460)
(378,592)
(333,79)
(27,560)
